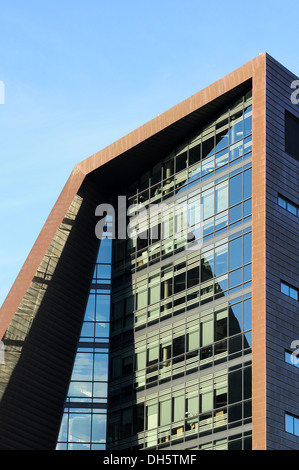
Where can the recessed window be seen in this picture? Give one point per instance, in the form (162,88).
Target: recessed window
(288,205)
(291,358)
(289,290)
(292,135)
(291,424)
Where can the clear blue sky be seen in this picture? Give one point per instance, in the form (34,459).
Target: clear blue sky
(79,75)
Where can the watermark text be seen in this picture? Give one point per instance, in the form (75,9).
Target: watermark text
(177,221)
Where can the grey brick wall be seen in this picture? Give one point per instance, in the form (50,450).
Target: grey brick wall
(282,261)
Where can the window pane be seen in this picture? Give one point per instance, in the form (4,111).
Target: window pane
(293,293)
(289,423)
(207,401)
(102,307)
(247,208)
(105,251)
(154,293)
(90,308)
(221,192)
(100,389)
(235,386)
(208,146)
(80,389)
(102,330)
(140,360)
(178,408)
(179,283)
(221,325)
(178,346)
(291,208)
(99,427)
(236,127)
(247,314)
(288,357)
(292,135)
(83,367)
(87,329)
(248,121)
(63,433)
(236,150)
(221,259)
(101,367)
(194,155)
(222,135)
(207,333)
(235,319)
(221,158)
(207,166)
(193,405)
(79,427)
(165,412)
(285,289)
(181,162)
(193,340)
(207,266)
(235,213)
(208,203)
(247,248)
(235,253)
(247,184)
(282,202)
(104,271)
(142,299)
(235,278)
(152,416)
(153,355)
(235,189)
(192,277)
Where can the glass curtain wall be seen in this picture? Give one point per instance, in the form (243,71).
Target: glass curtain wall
(164,357)
(180,363)
(84,421)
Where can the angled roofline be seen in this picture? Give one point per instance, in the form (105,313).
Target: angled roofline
(174,114)
(254,70)
(95,161)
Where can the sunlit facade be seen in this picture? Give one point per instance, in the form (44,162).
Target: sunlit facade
(158,307)
(179,347)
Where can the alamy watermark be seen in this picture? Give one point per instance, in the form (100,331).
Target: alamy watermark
(2,93)
(295,354)
(179,221)
(295,93)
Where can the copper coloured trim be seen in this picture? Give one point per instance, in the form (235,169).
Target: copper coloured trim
(255,70)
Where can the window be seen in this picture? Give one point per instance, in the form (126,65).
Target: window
(291,424)
(291,358)
(289,290)
(292,135)
(288,205)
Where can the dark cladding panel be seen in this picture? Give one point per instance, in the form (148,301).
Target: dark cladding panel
(40,342)
(282,253)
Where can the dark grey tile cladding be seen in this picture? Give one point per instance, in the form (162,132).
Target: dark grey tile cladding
(282,258)
(30,410)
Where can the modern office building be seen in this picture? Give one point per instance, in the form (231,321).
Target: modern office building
(158,308)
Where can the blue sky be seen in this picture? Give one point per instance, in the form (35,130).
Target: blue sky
(79,75)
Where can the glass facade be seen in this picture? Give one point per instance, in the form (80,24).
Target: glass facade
(84,420)
(177,308)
